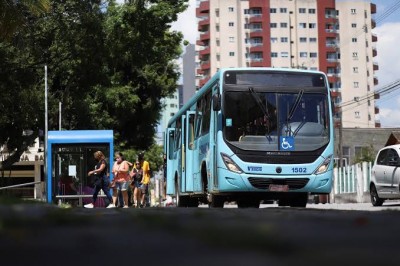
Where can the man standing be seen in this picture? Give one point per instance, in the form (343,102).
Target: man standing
(145,180)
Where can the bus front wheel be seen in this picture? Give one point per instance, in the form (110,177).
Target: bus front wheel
(215,201)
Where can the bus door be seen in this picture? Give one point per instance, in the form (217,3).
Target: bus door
(182,177)
(170,148)
(190,148)
(213,138)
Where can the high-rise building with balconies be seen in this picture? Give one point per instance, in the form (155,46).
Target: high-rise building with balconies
(331,36)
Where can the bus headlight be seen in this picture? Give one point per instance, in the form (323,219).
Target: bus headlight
(323,166)
(230,164)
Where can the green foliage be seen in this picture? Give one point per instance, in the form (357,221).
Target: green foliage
(108,64)
(154,155)
(367,154)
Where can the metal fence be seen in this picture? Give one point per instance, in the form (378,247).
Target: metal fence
(352,179)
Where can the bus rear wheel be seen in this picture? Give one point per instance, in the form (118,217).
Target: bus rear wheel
(248,203)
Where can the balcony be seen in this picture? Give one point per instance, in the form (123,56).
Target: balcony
(205,36)
(204,24)
(204,52)
(374,37)
(256,3)
(373,8)
(376,110)
(256,48)
(335,93)
(373,24)
(376,82)
(258,18)
(199,72)
(374,52)
(375,66)
(256,33)
(377,96)
(205,65)
(200,43)
(377,124)
(204,7)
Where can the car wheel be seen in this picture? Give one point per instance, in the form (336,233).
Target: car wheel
(375,199)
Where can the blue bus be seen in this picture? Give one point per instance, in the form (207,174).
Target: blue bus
(251,135)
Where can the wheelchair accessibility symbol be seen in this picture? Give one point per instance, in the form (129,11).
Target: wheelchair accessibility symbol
(287,143)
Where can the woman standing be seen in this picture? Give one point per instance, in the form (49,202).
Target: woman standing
(101,180)
(121,178)
(137,175)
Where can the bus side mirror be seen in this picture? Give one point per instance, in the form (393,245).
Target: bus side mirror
(216,102)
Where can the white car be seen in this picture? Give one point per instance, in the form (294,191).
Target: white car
(385,177)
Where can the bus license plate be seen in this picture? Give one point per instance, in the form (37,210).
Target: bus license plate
(279,188)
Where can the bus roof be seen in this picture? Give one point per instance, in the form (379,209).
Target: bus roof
(206,87)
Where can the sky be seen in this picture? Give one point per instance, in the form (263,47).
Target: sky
(388,58)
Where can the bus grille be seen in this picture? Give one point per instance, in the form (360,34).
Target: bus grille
(263,183)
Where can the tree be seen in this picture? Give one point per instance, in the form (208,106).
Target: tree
(367,154)
(108,64)
(15,14)
(141,69)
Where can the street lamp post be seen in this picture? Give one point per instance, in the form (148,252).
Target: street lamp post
(45,127)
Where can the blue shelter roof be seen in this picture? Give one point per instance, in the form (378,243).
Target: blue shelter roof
(80,136)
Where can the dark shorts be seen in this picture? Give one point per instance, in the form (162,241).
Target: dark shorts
(136,184)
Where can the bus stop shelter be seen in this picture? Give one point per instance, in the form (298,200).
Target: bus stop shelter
(70,156)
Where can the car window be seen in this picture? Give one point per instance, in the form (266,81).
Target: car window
(382,157)
(392,157)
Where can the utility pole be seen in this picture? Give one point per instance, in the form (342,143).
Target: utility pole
(45,127)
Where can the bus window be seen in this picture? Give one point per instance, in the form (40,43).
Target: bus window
(191,132)
(206,110)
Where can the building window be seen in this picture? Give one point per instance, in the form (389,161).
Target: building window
(217,12)
(313,55)
(172,114)
(302,10)
(353,11)
(355,69)
(283,25)
(217,27)
(273,54)
(355,55)
(230,9)
(284,39)
(231,39)
(303,54)
(303,39)
(357,114)
(311,11)
(272,10)
(273,25)
(355,84)
(246,11)
(217,42)
(284,54)
(231,24)
(218,57)
(353,39)
(356,99)
(312,25)
(274,40)
(302,25)
(231,53)
(354,25)
(283,10)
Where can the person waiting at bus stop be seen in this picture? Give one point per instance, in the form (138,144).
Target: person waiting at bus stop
(121,178)
(101,181)
(144,187)
(137,176)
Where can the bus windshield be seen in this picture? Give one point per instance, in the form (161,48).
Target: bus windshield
(260,121)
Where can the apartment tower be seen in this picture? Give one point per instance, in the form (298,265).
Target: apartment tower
(331,36)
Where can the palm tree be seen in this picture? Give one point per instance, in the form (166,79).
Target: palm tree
(14,13)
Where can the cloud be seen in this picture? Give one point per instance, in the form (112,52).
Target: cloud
(187,23)
(389,68)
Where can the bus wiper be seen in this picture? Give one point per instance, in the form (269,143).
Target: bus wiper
(259,102)
(295,105)
(291,112)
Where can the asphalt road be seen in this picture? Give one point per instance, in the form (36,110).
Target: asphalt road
(39,234)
